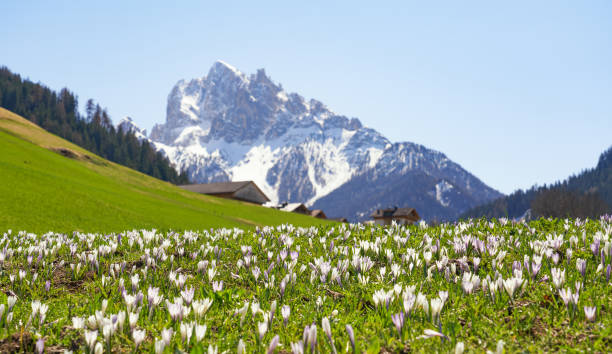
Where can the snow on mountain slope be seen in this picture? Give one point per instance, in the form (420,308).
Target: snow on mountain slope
(230,126)
(128,125)
(441,188)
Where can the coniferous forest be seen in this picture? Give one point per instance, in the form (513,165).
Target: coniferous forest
(588,194)
(58,113)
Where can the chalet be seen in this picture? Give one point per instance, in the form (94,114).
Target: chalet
(402,216)
(318,213)
(246,191)
(296,208)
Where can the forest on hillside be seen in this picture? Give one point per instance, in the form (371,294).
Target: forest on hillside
(58,113)
(588,194)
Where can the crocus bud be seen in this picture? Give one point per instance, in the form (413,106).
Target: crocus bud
(459,348)
(241,347)
(40,346)
(351,334)
(273,344)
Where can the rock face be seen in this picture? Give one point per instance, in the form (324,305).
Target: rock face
(128,125)
(230,126)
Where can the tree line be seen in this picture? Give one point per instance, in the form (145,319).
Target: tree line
(588,194)
(58,113)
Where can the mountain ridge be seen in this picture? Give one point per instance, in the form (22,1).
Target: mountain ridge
(231,126)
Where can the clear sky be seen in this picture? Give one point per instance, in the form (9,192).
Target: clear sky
(517,93)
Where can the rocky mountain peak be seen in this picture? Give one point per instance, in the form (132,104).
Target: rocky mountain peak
(221,70)
(230,126)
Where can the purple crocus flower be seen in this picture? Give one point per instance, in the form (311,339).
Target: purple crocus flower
(305,337)
(581,266)
(40,346)
(555,258)
(294,255)
(351,334)
(516,265)
(595,247)
(398,321)
(273,344)
(139,297)
(535,269)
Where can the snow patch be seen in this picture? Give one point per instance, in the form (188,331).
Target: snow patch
(231,67)
(443,187)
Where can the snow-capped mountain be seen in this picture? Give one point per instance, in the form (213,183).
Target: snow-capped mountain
(230,126)
(128,125)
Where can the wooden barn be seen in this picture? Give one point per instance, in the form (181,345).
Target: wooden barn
(296,208)
(318,213)
(402,216)
(246,191)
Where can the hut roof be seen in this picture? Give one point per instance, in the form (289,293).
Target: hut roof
(293,207)
(220,187)
(394,212)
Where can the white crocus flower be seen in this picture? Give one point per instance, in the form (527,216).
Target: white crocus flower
(566,296)
(167,334)
(589,312)
(262,328)
(10,301)
(43,312)
(133,319)
(511,285)
(459,348)
(187,295)
(285,312)
(500,347)
(436,308)
(78,323)
(558,277)
(200,332)
(160,345)
(186,329)
(201,307)
(35,307)
(241,347)
(90,339)
(211,273)
(421,301)
(138,335)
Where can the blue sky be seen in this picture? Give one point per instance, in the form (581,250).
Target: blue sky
(517,93)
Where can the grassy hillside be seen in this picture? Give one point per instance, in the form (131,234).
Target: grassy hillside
(47,183)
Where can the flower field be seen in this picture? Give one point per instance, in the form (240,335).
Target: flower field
(468,287)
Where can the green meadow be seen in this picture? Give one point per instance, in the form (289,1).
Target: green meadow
(47,183)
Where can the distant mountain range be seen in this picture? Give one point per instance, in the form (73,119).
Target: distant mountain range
(596,181)
(231,126)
